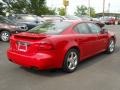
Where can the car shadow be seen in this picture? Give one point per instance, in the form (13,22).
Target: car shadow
(95,59)
(46,73)
(91,61)
(82,65)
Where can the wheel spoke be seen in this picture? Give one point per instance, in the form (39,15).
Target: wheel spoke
(72,55)
(70,65)
(75,57)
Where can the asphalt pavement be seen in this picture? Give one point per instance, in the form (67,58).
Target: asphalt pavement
(101,72)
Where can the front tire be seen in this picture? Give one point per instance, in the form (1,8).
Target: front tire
(111,46)
(71,61)
(4,36)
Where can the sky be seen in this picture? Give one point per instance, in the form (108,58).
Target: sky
(97,4)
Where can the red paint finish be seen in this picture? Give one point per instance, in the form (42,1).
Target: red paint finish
(44,51)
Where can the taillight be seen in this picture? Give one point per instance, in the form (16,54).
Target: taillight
(47,45)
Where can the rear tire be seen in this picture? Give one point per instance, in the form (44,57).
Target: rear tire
(111,46)
(71,61)
(4,36)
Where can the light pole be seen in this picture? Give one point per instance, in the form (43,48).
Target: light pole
(109,7)
(66,3)
(103,8)
(89,7)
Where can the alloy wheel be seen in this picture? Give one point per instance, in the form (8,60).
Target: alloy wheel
(5,36)
(72,60)
(111,46)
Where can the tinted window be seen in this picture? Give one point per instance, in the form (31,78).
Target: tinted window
(94,28)
(50,27)
(82,28)
(5,20)
(1,20)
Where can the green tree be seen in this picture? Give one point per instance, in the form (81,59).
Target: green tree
(92,12)
(37,7)
(2,8)
(16,6)
(82,10)
(61,11)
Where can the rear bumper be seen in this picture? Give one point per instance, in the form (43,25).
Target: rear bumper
(39,61)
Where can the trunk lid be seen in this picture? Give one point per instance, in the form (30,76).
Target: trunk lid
(26,43)
(30,36)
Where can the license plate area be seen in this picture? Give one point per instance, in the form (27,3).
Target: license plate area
(22,46)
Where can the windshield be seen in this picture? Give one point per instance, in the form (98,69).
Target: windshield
(50,27)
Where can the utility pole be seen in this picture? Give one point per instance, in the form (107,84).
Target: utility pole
(103,8)
(89,7)
(109,7)
(66,3)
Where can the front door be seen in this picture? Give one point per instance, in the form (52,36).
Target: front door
(101,41)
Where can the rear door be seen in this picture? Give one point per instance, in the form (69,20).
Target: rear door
(85,39)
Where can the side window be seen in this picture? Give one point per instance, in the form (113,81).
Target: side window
(82,28)
(94,28)
(2,20)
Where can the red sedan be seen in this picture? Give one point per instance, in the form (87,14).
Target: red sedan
(59,45)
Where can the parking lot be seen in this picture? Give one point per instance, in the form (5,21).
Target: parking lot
(101,72)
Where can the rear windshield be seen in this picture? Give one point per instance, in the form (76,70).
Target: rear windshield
(51,27)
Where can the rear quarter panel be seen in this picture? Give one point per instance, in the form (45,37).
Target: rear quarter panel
(62,44)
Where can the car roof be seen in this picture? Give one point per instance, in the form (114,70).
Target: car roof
(51,16)
(77,21)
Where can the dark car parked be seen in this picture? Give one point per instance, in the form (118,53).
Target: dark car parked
(84,18)
(8,27)
(30,20)
(53,18)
